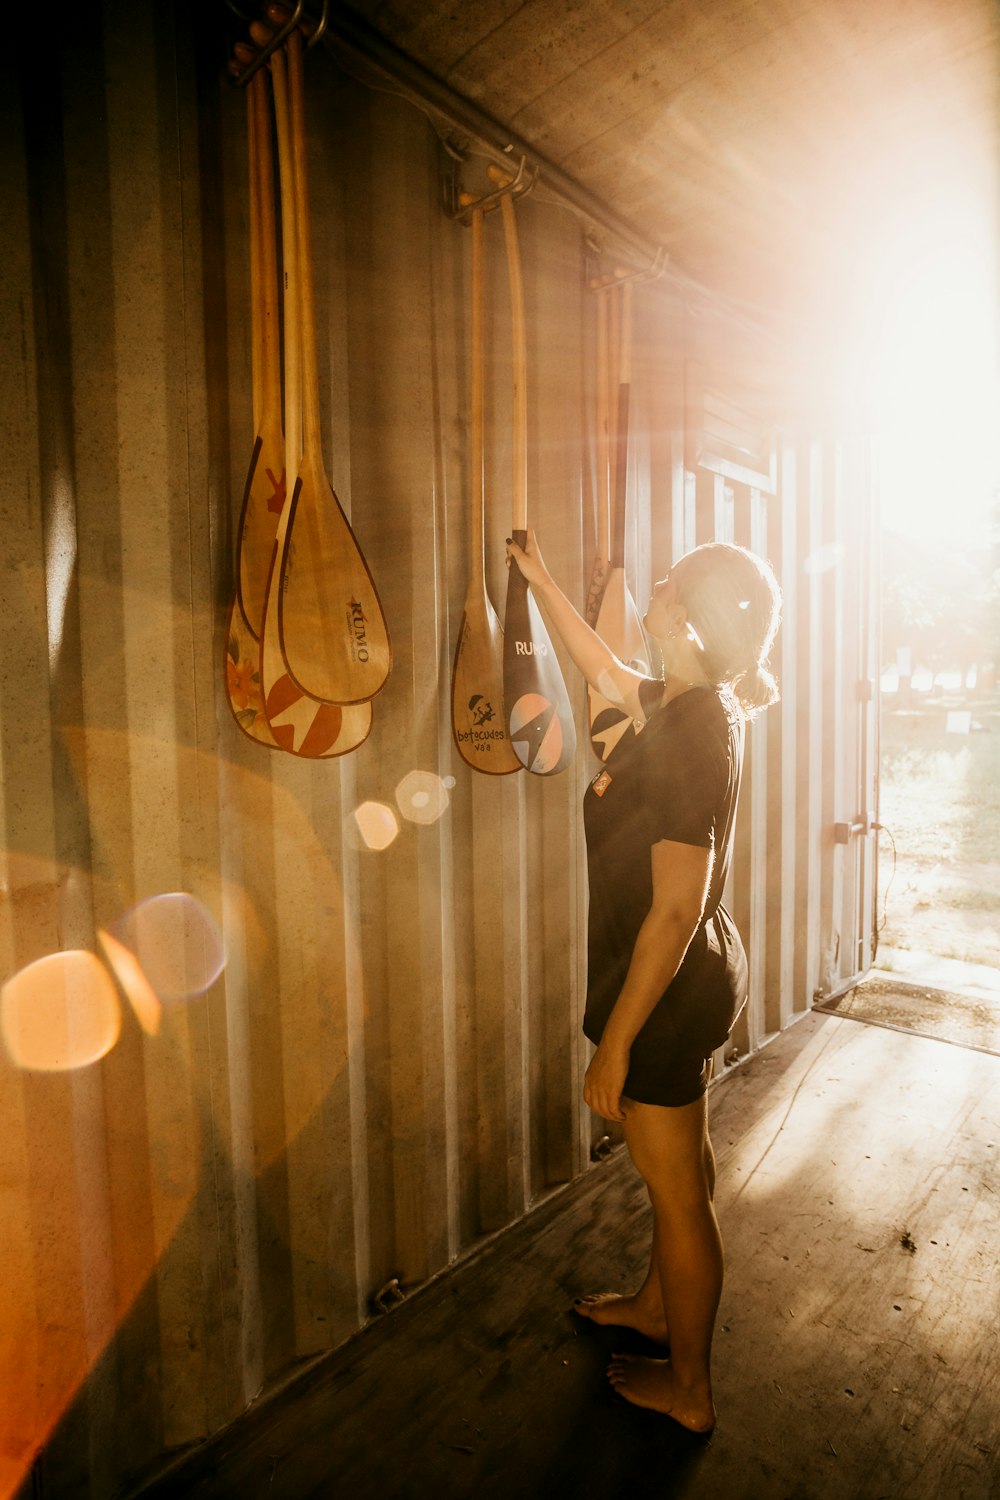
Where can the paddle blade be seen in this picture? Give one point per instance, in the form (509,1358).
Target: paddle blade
(333,633)
(243,686)
(300,724)
(539,718)
(619,626)
(314,731)
(262,502)
(244,692)
(477,715)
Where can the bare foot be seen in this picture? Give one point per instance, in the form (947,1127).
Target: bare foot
(608,1308)
(650,1383)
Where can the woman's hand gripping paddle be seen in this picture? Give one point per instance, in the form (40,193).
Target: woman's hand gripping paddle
(301,724)
(618,622)
(477,715)
(264,492)
(333,633)
(539,717)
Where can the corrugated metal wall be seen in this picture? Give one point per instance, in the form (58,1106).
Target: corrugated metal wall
(390,1064)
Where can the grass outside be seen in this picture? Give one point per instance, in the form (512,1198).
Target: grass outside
(940,798)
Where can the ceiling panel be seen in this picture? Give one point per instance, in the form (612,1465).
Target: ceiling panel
(759,142)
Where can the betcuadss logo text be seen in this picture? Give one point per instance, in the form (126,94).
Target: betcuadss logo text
(356,623)
(531,648)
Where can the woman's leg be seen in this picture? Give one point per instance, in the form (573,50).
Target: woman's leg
(671,1150)
(643,1310)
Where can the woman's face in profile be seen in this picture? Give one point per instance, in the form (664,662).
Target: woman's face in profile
(658,620)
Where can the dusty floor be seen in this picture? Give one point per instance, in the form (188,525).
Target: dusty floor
(969,1016)
(857,1352)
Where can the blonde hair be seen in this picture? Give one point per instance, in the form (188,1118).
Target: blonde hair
(733,605)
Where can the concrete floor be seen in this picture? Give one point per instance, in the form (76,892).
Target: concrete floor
(857,1350)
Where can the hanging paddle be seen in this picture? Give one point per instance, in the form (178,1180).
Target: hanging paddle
(477,716)
(264,489)
(618,622)
(333,632)
(539,717)
(300,724)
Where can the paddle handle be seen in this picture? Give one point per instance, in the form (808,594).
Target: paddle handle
(256,318)
(621,428)
(519,423)
(477,454)
(625,357)
(603,432)
(289,255)
(312,432)
(267,256)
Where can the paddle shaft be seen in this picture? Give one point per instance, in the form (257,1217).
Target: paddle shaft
(477,446)
(290,268)
(621,430)
(603,432)
(256,280)
(519,425)
(267,261)
(311,426)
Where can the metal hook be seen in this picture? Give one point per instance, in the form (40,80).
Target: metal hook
(390,1293)
(515,187)
(243,77)
(653,272)
(324,16)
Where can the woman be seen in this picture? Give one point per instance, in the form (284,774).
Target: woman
(667,971)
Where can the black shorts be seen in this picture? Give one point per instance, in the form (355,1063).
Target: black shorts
(675,1081)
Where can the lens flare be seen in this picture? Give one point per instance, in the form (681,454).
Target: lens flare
(138,991)
(176,944)
(422,797)
(373,825)
(60,1012)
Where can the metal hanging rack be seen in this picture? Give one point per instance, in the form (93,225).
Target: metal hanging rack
(652,272)
(459,205)
(241,76)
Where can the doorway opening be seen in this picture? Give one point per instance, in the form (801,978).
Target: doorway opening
(934,396)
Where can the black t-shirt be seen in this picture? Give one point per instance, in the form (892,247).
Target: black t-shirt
(677,779)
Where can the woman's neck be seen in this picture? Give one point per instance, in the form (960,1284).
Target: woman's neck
(675,687)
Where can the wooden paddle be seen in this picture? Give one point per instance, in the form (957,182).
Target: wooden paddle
(477,716)
(301,724)
(539,717)
(618,621)
(333,632)
(243,685)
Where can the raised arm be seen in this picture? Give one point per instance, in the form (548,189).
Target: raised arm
(614,681)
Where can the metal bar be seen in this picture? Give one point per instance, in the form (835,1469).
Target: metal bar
(349,31)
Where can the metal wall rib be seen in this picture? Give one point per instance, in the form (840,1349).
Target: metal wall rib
(390,1064)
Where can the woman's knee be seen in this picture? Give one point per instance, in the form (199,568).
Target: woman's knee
(667,1146)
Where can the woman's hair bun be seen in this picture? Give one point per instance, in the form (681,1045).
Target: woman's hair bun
(755,689)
